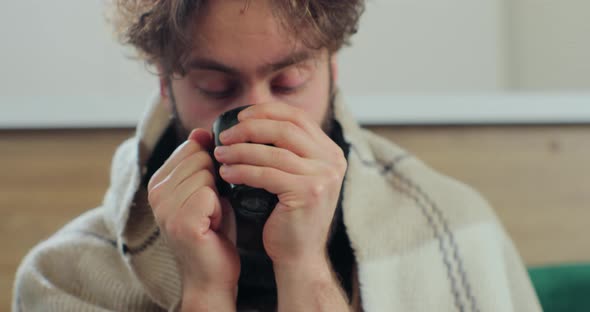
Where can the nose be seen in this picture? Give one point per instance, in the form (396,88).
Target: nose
(255,94)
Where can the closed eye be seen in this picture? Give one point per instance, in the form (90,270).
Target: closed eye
(284,89)
(218,95)
(290,81)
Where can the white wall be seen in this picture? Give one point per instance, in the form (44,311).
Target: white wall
(424,46)
(62,68)
(549,44)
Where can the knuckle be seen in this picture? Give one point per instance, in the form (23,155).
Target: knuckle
(208,179)
(184,225)
(152,181)
(186,149)
(339,160)
(202,197)
(236,152)
(245,128)
(209,195)
(213,196)
(196,163)
(160,214)
(334,172)
(203,159)
(159,204)
(317,189)
(288,128)
(338,154)
(197,181)
(285,129)
(324,185)
(191,147)
(334,177)
(154,196)
(263,173)
(278,155)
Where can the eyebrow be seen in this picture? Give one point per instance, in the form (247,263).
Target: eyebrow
(209,64)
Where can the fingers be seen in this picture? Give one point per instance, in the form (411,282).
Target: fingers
(200,161)
(199,140)
(185,224)
(270,179)
(278,133)
(195,198)
(185,185)
(202,210)
(294,191)
(263,156)
(202,137)
(288,113)
(186,206)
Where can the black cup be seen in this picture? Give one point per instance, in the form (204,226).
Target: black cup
(253,204)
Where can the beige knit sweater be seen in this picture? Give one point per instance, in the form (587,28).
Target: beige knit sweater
(422,241)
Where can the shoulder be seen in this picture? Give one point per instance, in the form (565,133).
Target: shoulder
(79,267)
(394,202)
(424,228)
(413,178)
(65,256)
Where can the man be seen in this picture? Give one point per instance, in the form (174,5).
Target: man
(359,224)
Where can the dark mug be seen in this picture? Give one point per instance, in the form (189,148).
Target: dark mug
(252,204)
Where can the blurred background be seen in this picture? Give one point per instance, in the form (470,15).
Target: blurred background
(495,93)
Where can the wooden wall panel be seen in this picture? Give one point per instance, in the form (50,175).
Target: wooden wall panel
(536,177)
(47,178)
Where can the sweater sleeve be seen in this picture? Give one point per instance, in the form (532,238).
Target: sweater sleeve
(522,291)
(78,269)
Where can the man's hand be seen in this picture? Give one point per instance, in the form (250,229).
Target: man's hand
(305,169)
(198,226)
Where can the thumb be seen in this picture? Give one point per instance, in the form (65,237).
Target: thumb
(201,137)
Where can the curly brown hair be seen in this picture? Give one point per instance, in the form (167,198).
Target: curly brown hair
(158,28)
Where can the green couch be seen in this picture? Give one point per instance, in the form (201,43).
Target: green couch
(562,287)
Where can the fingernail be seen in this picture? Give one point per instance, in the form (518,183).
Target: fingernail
(201,137)
(224,135)
(220,151)
(193,135)
(224,170)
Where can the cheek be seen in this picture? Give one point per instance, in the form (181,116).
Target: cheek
(194,111)
(317,106)
(317,99)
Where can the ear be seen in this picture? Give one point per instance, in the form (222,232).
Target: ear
(334,67)
(164,88)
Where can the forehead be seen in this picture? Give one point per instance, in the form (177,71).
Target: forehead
(241,31)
